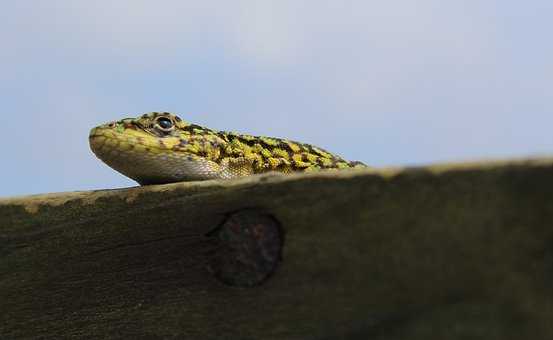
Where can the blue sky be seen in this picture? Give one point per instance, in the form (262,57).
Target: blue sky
(385,82)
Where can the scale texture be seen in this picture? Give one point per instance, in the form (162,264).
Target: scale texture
(160,147)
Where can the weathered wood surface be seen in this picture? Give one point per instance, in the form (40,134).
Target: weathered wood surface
(452,252)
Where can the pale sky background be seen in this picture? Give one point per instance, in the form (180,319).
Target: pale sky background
(385,82)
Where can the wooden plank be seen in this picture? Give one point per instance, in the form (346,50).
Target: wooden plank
(450,252)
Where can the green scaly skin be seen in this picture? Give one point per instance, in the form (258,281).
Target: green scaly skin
(159,147)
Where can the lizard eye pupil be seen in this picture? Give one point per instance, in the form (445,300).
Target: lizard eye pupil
(165,123)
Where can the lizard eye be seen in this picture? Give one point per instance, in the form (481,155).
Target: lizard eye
(165,124)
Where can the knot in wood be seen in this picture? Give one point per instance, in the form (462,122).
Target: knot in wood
(249,248)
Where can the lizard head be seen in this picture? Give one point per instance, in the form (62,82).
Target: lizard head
(158,124)
(155,131)
(156,147)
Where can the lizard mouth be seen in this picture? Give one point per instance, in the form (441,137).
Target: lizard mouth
(114,149)
(135,153)
(102,143)
(94,133)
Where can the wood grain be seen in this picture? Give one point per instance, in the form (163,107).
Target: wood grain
(450,252)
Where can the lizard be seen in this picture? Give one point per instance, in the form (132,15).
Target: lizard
(160,147)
